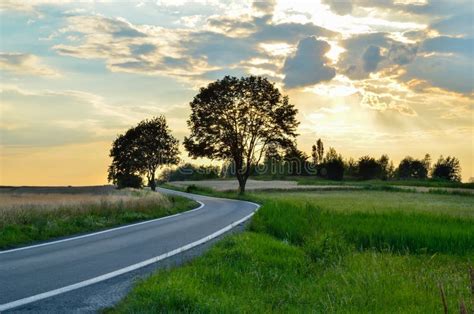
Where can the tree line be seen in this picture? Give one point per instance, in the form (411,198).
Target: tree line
(250,126)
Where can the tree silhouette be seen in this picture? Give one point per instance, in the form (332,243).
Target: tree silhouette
(317,152)
(236,119)
(333,165)
(447,169)
(369,168)
(410,168)
(142,150)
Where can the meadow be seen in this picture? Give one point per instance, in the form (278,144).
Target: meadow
(328,251)
(29,215)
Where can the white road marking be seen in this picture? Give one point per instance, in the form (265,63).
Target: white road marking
(100,232)
(44,295)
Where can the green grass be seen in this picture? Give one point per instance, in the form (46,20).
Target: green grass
(349,252)
(415,183)
(28,223)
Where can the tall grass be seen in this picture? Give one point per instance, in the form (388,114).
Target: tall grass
(29,217)
(298,221)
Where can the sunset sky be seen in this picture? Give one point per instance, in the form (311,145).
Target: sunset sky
(368,76)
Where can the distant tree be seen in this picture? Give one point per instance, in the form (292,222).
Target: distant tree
(350,168)
(236,119)
(189,171)
(320,150)
(427,162)
(410,168)
(384,163)
(142,150)
(314,155)
(369,168)
(295,160)
(333,165)
(448,168)
(317,152)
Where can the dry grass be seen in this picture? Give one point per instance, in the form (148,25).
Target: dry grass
(15,206)
(27,215)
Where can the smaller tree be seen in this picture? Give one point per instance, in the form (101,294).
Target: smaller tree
(448,168)
(142,150)
(317,152)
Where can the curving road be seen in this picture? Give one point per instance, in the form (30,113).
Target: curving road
(37,272)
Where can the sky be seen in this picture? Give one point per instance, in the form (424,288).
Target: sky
(369,77)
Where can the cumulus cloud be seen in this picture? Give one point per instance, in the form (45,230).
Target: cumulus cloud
(368,53)
(25,64)
(309,65)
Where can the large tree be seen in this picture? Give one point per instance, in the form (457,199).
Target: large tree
(237,119)
(142,150)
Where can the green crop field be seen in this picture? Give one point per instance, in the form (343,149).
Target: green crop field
(333,251)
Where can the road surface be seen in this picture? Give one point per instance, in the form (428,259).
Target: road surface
(42,271)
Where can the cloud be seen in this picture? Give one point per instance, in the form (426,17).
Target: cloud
(453,73)
(373,52)
(309,65)
(187,54)
(371,58)
(25,64)
(341,7)
(265,7)
(445,44)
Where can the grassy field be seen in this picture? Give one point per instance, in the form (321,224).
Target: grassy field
(334,251)
(430,183)
(29,215)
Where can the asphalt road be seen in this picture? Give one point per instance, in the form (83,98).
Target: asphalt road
(34,273)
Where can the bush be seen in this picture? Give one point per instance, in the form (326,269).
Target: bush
(129,181)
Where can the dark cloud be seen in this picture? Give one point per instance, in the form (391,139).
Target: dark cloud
(368,53)
(371,58)
(402,54)
(309,65)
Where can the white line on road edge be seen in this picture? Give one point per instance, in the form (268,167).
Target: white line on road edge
(100,232)
(44,295)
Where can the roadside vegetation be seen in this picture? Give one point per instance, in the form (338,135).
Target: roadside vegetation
(30,217)
(335,251)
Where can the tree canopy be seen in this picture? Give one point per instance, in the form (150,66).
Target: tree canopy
(237,119)
(142,150)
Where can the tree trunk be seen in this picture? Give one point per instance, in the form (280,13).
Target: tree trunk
(152,182)
(242,178)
